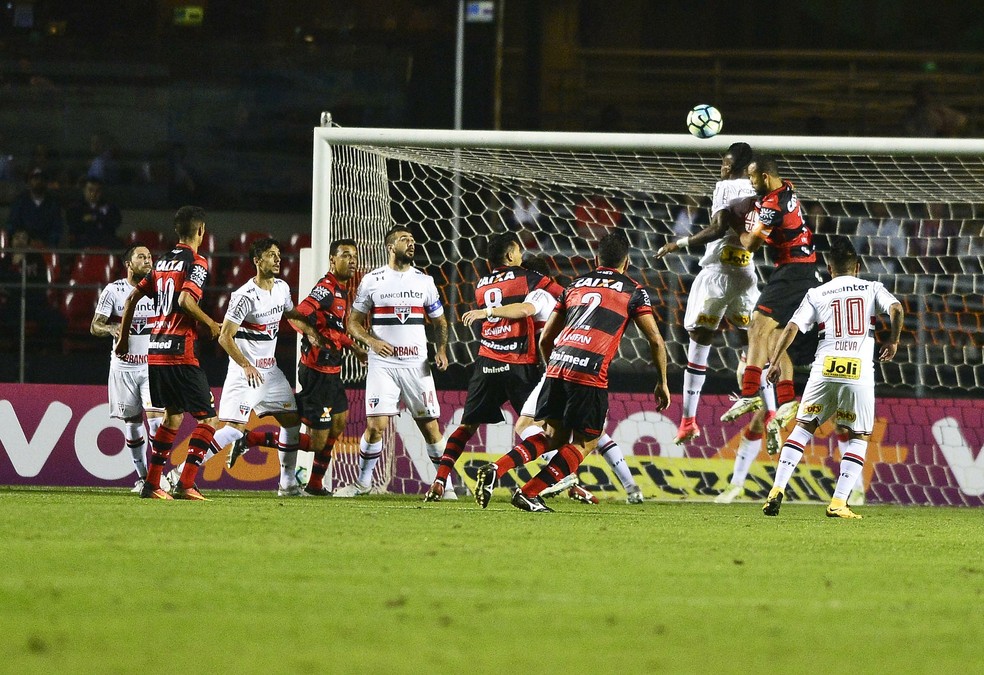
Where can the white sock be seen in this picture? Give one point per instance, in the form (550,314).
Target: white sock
(612,453)
(792,452)
(531,430)
(287,443)
(369,454)
(153,424)
(748,450)
(693,377)
(225,436)
(768,391)
(852,462)
(136,442)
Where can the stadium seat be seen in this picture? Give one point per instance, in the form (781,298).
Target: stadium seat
(241,242)
(298,241)
(3,238)
(53,272)
(239,272)
(290,271)
(152,239)
(94,268)
(208,245)
(77,306)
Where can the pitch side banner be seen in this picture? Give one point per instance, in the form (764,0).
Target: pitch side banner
(922,451)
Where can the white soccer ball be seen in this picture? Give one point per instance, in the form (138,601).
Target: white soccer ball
(704,121)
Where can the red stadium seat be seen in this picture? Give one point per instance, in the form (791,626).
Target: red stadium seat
(290,271)
(208,245)
(152,239)
(239,272)
(77,306)
(298,241)
(53,272)
(95,268)
(242,242)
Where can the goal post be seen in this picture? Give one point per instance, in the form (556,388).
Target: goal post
(913,207)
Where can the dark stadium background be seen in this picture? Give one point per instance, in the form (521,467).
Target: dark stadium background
(228,91)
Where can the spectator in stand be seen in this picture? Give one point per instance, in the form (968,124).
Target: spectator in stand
(929,118)
(93,221)
(37,212)
(26,264)
(104,165)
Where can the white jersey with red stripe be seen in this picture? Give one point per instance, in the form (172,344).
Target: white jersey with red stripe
(396,303)
(727,254)
(844,310)
(258,313)
(110,304)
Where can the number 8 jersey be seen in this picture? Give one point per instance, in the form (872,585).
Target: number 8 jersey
(172,341)
(844,310)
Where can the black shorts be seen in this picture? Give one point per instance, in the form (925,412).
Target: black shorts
(579,407)
(492,384)
(181,388)
(321,397)
(785,291)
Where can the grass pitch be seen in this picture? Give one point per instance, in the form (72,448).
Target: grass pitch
(100,581)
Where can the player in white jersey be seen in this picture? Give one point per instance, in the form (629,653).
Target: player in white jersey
(129,387)
(388,315)
(253,381)
(725,288)
(842,380)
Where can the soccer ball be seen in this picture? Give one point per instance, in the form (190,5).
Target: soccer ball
(704,121)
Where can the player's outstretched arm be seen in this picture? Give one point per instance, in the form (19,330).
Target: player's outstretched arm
(715,230)
(300,323)
(514,310)
(785,339)
(227,340)
(440,324)
(896,316)
(123,336)
(657,350)
(188,305)
(356,327)
(100,326)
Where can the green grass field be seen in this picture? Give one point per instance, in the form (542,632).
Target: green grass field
(100,581)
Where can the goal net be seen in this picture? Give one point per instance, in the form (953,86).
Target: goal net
(913,207)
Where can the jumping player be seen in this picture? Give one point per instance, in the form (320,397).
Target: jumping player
(842,380)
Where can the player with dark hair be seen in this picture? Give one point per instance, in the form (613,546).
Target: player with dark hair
(578,343)
(507,368)
(177,382)
(778,222)
(842,379)
(388,315)
(726,287)
(129,384)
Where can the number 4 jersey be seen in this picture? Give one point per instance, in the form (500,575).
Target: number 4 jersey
(844,310)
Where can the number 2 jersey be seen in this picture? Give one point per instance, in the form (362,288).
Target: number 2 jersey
(172,339)
(258,313)
(597,306)
(110,305)
(844,310)
(514,340)
(395,303)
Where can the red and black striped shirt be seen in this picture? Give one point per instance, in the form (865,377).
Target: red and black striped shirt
(508,340)
(326,308)
(781,222)
(597,307)
(172,339)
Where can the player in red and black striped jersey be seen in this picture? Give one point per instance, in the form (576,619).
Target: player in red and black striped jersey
(578,343)
(511,301)
(177,383)
(779,223)
(322,400)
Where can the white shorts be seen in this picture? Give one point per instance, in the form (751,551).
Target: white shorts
(238,399)
(129,392)
(851,405)
(716,295)
(386,386)
(529,408)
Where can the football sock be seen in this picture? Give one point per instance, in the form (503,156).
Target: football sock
(369,454)
(792,452)
(160,450)
(694,376)
(612,453)
(319,467)
(748,450)
(785,392)
(852,461)
(137,445)
(526,451)
(287,453)
(224,436)
(768,393)
(750,381)
(153,424)
(564,463)
(199,445)
(531,430)
(269,439)
(452,451)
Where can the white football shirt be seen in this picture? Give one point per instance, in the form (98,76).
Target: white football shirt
(727,253)
(258,314)
(396,303)
(110,305)
(844,310)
